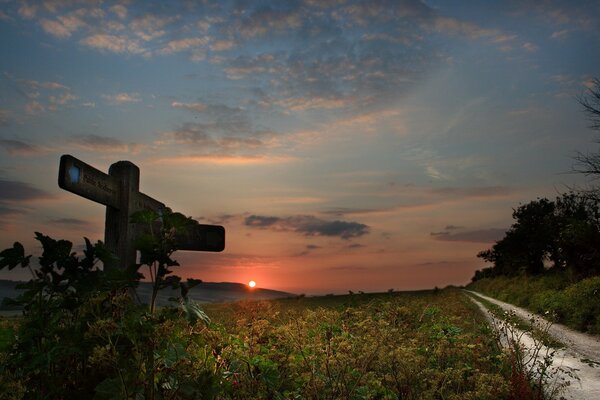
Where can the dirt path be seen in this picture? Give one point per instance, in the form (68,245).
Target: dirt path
(582,353)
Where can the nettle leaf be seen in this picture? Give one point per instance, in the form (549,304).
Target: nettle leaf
(55,251)
(178,221)
(104,254)
(193,312)
(172,281)
(14,256)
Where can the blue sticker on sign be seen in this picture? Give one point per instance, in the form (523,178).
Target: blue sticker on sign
(74,174)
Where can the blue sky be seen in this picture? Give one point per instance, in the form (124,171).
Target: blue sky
(344,145)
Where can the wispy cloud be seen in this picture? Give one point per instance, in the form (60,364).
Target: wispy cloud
(55,28)
(476,236)
(15,191)
(560,35)
(70,222)
(19,148)
(149,27)
(474,192)
(113,44)
(223,159)
(198,107)
(123,97)
(119,10)
(175,46)
(27,10)
(4,117)
(43,95)
(103,144)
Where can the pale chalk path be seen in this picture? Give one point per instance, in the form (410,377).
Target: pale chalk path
(582,353)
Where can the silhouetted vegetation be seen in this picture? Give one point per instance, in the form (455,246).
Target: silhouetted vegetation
(560,235)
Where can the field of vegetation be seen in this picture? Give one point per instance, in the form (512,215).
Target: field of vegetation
(424,345)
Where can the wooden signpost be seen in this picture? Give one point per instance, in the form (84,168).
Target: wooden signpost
(119,192)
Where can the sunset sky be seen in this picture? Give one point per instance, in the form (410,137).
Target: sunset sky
(344,145)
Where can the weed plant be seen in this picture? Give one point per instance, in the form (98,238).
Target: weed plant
(533,372)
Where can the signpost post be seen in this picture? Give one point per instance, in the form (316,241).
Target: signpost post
(119,192)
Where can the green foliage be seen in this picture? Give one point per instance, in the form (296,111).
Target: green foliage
(82,335)
(576,305)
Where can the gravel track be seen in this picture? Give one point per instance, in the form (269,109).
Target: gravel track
(581,354)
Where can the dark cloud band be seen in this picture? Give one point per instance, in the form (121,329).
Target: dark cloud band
(309,225)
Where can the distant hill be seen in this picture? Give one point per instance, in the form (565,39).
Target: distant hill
(206,292)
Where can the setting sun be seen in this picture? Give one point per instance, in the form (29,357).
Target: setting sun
(252,284)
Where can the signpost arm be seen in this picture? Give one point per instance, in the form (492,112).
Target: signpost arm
(119,231)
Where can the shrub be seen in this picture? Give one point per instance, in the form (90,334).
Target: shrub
(582,305)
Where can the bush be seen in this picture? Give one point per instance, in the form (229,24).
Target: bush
(582,305)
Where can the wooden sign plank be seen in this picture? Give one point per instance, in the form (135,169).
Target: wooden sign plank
(202,238)
(84,180)
(119,191)
(142,201)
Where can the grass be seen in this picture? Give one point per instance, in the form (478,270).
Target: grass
(7,331)
(575,304)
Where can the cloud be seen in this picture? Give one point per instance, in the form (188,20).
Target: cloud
(198,107)
(175,46)
(55,28)
(120,98)
(266,20)
(308,225)
(301,104)
(4,210)
(15,191)
(44,95)
(258,221)
(32,88)
(223,159)
(113,43)
(222,45)
(224,130)
(4,117)
(476,236)
(34,107)
(463,28)
(4,16)
(103,144)
(473,192)
(149,26)
(18,148)
(63,98)
(560,35)
(72,222)
(27,11)
(119,10)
